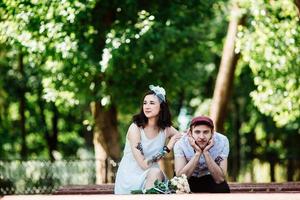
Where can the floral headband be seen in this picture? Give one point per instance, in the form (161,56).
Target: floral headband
(159,92)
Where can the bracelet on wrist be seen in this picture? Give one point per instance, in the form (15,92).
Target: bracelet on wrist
(166,149)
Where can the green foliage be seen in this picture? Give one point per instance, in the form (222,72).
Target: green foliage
(61,45)
(75,52)
(254,135)
(160,48)
(43,33)
(270,44)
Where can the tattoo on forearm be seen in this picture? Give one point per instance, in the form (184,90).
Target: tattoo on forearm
(140,148)
(218,160)
(157,157)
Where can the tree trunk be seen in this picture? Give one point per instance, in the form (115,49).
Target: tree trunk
(41,104)
(53,138)
(106,138)
(292,156)
(272,170)
(237,122)
(297,3)
(226,73)
(290,169)
(251,156)
(105,134)
(271,157)
(22,108)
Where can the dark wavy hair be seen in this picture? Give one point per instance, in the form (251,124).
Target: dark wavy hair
(164,116)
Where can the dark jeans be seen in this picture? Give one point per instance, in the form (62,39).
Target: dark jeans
(207,184)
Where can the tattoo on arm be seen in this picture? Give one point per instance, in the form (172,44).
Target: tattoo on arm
(218,160)
(157,157)
(140,148)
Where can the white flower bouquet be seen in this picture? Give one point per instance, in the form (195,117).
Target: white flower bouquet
(177,185)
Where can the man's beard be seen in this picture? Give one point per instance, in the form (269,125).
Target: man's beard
(202,148)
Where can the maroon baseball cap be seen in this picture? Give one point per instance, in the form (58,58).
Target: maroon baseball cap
(202,120)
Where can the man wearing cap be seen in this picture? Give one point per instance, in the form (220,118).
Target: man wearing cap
(201,154)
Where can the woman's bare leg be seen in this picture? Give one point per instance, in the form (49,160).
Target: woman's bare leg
(153,175)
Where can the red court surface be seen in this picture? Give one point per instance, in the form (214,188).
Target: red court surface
(235,196)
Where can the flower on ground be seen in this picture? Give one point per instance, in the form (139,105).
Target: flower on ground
(177,185)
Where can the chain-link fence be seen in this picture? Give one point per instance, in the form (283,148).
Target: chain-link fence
(44,177)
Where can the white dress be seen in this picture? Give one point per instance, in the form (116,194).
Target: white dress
(130,176)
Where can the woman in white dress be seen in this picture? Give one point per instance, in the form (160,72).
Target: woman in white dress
(145,144)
